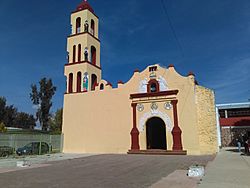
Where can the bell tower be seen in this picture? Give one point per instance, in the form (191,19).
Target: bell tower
(83,70)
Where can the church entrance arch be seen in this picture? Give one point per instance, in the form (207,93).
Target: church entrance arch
(156,134)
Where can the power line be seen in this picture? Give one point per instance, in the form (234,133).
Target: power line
(171,26)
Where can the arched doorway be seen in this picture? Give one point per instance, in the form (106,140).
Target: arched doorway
(156,134)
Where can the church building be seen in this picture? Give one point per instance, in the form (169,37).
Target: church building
(158,111)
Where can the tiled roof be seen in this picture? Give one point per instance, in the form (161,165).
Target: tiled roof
(85,5)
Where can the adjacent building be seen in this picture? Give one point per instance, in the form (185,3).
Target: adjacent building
(233,122)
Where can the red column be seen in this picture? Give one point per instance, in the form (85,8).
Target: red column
(134,132)
(176,132)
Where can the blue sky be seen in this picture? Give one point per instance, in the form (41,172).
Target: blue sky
(214,37)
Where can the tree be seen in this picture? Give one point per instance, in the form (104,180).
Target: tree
(2,108)
(25,121)
(42,99)
(56,121)
(7,113)
(10,115)
(2,128)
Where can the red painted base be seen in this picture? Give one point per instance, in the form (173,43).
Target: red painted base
(158,152)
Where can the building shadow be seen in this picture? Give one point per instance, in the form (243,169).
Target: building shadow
(235,150)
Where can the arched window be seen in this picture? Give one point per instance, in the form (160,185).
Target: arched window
(79,52)
(70,82)
(79,82)
(93,55)
(74,53)
(78,25)
(92,31)
(153,86)
(102,87)
(93,82)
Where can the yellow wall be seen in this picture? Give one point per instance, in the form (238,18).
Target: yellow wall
(101,121)
(91,126)
(206,120)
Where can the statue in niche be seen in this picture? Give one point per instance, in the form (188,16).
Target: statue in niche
(85,82)
(86,26)
(86,54)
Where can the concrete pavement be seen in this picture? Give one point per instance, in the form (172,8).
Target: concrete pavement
(10,164)
(230,169)
(101,171)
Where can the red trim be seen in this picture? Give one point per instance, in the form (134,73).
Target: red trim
(109,84)
(136,70)
(134,132)
(157,152)
(171,65)
(156,94)
(85,6)
(76,92)
(76,63)
(235,121)
(191,73)
(153,81)
(82,34)
(176,132)
(120,82)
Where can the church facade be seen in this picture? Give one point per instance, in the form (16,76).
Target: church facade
(156,111)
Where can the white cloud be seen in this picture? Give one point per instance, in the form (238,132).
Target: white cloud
(232,82)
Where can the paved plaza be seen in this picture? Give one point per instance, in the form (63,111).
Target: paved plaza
(230,169)
(126,171)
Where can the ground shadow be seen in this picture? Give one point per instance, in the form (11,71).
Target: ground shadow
(235,150)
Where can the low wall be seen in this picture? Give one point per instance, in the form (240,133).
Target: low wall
(20,140)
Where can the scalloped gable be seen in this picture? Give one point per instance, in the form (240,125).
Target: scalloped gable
(169,74)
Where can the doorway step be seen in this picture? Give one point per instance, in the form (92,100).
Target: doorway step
(157,152)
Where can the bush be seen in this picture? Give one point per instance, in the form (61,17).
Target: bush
(3,129)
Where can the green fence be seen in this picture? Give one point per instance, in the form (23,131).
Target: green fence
(19,140)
